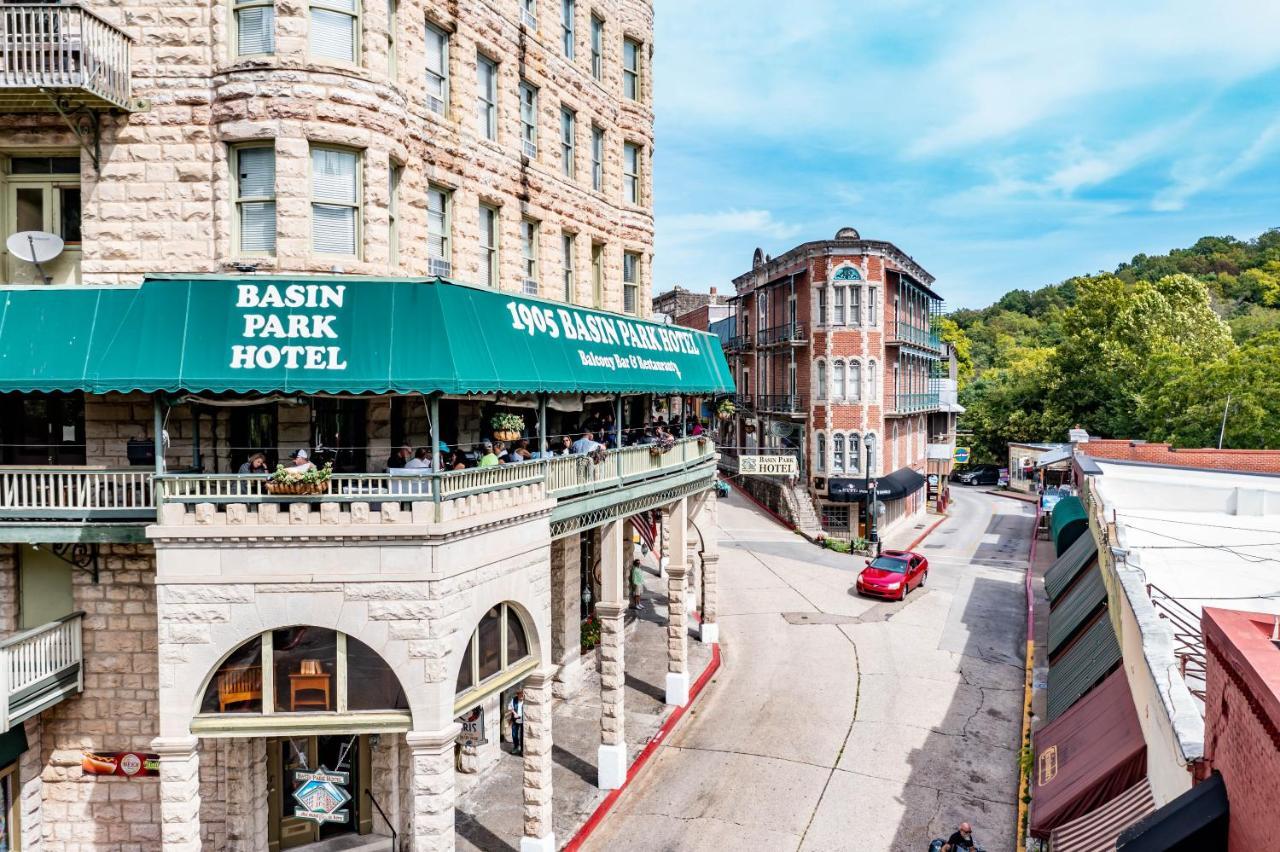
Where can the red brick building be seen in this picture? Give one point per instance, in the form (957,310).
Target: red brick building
(836,361)
(1207,458)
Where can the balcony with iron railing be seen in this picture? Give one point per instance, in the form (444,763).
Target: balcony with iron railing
(738,343)
(786,403)
(911,403)
(39,668)
(58,57)
(913,335)
(779,335)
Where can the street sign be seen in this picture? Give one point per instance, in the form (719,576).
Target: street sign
(961,455)
(767,465)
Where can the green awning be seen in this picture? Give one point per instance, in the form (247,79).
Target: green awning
(1063,572)
(1086,662)
(1067,523)
(338,334)
(1075,608)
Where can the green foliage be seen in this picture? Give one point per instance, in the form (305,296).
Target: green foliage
(308,477)
(507,422)
(836,544)
(590,633)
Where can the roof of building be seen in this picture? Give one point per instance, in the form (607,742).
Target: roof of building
(842,244)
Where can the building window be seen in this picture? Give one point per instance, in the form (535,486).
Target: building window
(254,168)
(489,246)
(855,454)
(820,453)
(873,306)
(335,201)
(255,22)
(528,121)
(631,69)
(837,380)
(871,454)
(567,254)
(630,282)
(873,393)
(439,231)
(855,305)
(837,453)
(335,30)
(822,380)
(567,11)
(835,517)
(499,644)
(597,158)
(762,310)
(568,132)
(529,14)
(597,275)
(394,174)
(529,253)
(487,96)
(855,380)
(597,47)
(393,25)
(631,173)
(437,70)
(822,306)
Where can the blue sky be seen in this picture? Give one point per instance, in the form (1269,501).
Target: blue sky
(1001,144)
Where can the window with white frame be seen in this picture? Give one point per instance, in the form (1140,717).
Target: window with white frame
(837,453)
(630,282)
(855,304)
(822,379)
(873,393)
(820,453)
(528,120)
(855,380)
(335,201)
(529,13)
(762,310)
(439,231)
(529,253)
(631,173)
(822,306)
(567,11)
(597,47)
(489,245)
(394,174)
(837,380)
(597,158)
(42,193)
(255,23)
(487,96)
(631,53)
(393,26)
(254,167)
(873,306)
(568,134)
(597,275)
(855,454)
(437,47)
(335,30)
(837,306)
(567,256)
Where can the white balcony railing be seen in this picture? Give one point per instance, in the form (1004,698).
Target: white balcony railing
(55,47)
(40,667)
(76,494)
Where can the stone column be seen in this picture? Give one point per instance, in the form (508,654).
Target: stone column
(612,756)
(566,605)
(179,793)
(664,544)
(628,545)
(677,608)
(539,835)
(692,573)
(432,793)
(710,630)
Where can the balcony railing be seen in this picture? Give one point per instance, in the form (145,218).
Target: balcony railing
(738,343)
(76,494)
(792,332)
(40,667)
(48,47)
(901,332)
(909,403)
(789,403)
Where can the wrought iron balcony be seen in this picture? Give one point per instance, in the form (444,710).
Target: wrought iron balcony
(925,338)
(738,343)
(912,403)
(782,403)
(744,401)
(792,332)
(56,57)
(39,668)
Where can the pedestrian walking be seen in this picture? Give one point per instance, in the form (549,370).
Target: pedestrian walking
(515,710)
(637,583)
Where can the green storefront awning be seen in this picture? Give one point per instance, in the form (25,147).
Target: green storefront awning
(1067,523)
(338,334)
(1087,661)
(1063,572)
(1074,609)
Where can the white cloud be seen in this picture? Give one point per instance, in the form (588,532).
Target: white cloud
(1201,173)
(693,227)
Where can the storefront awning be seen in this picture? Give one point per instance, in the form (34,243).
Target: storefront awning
(893,486)
(1063,572)
(1069,614)
(1089,659)
(1195,821)
(1067,523)
(1097,830)
(1087,756)
(338,334)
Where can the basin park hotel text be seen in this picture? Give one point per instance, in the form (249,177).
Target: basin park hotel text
(343,227)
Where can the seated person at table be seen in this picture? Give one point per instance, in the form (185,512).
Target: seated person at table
(257,463)
(565,447)
(520,452)
(696,430)
(401,457)
(454,461)
(585,444)
(300,462)
(421,460)
(490,456)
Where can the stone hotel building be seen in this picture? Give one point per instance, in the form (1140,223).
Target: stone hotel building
(344,227)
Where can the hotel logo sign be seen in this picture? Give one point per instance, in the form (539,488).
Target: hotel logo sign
(767,465)
(321,795)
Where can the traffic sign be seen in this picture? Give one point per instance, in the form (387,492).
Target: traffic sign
(961,455)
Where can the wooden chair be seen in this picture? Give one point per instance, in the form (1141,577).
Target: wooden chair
(310,677)
(239,684)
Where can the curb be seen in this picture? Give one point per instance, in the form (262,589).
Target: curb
(926,533)
(1024,777)
(602,810)
(1030,498)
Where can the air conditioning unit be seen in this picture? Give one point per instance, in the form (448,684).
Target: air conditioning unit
(529,149)
(528,19)
(439,267)
(530,286)
(435,103)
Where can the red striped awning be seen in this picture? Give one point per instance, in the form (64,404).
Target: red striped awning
(1097,830)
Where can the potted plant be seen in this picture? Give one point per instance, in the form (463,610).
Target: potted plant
(726,409)
(663,442)
(507,427)
(590,633)
(285,481)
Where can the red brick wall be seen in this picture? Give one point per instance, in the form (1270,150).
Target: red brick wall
(1253,461)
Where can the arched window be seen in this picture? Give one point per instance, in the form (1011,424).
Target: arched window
(822,380)
(303,669)
(820,453)
(837,380)
(855,380)
(870,441)
(837,453)
(848,273)
(855,454)
(497,655)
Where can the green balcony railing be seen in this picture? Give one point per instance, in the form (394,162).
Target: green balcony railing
(901,332)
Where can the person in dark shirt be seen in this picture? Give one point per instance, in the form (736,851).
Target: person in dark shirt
(961,840)
(400,457)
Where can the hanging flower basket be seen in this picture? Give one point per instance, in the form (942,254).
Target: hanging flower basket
(507,427)
(726,410)
(506,435)
(291,482)
(298,488)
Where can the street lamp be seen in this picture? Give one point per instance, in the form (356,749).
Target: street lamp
(870,488)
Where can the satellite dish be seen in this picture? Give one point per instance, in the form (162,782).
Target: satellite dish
(35,247)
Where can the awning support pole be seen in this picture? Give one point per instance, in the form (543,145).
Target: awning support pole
(617,430)
(195,438)
(542,423)
(435,432)
(156,429)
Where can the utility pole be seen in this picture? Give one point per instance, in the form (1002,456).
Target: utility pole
(1223,431)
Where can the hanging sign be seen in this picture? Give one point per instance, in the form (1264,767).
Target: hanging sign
(472,733)
(129,764)
(767,465)
(321,795)
(961,455)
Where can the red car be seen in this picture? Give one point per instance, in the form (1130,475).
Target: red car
(892,574)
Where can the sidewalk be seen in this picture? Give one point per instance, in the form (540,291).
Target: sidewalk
(490,814)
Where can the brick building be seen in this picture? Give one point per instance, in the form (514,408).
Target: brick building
(836,361)
(678,302)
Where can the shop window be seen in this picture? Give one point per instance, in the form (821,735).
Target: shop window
(371,685)
(835,517)
(9,819)
(489,644)
(305,661)
(237,687)
(499,652)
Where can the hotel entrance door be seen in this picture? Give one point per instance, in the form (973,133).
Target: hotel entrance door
(317,788)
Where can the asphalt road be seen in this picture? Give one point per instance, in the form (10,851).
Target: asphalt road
(838,722)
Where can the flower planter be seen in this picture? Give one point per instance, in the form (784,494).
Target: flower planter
(725,415)
(506,436)
(297,488)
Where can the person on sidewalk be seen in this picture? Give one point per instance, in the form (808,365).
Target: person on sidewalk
(961,840)
(637,583)
(516,712)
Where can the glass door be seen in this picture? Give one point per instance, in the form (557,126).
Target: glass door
(289,758)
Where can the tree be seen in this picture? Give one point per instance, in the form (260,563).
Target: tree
(961,346)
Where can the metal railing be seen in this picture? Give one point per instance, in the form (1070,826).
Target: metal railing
(1188,643)
(907,403)
(790,402)
(54,46)
(901,332)
(76,494)
(792,332)
(39,667)
(738,343)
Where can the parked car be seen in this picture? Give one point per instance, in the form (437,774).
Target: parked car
(892,574)
(977,474)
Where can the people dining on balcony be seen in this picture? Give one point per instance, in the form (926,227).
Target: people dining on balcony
(300,462)
(565,447)
(421,460)
(455,460)
(490,457)
(519,452)
(257,464)
(585,444)
(401,457)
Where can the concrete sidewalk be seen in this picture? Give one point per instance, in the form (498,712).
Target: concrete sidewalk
(490,814)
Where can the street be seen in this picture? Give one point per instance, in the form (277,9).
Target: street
(840,722)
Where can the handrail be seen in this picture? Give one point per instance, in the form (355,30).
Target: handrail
(34,658)
(54,45)
(34,631)
(908,333)
(910,402)
(35,492)
(1189,643)
(395,842)
(786,333)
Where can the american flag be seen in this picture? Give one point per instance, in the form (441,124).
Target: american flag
(646,524)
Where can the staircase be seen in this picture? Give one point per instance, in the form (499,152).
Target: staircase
(801,511)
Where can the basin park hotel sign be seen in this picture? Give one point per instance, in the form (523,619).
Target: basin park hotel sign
(290,660)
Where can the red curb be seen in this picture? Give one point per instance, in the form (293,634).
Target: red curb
(597,817)
(925,534)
